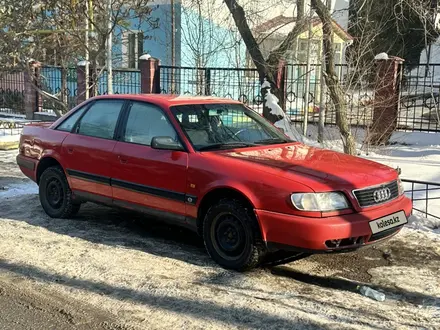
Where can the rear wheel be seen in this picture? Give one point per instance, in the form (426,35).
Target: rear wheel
(232,236)
(55,194)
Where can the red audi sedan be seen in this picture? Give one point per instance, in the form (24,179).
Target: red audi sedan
(216,167)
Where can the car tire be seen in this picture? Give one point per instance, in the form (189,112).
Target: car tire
(232,236)
(55,194)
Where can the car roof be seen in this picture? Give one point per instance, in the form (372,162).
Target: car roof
(169,100)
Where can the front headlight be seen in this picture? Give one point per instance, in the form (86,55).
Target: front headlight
(401,188)
(321,202)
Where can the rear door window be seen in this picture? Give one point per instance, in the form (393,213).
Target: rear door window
(70,122)
(101,119)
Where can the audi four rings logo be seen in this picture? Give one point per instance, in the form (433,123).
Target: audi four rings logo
(381,195)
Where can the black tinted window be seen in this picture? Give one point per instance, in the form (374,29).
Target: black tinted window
(100,120)
(146,121)
(68,124)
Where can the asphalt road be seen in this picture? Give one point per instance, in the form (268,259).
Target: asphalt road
(25,306)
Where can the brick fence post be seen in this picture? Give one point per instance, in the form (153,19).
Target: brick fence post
(386,98)
(33,102)
(81,82)
(149,68)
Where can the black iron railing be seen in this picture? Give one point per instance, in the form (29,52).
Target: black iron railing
(12,92)
(419,99)
(11,126)
(237,84)
(422,193)
(244,85)
(60,82)
(125,81)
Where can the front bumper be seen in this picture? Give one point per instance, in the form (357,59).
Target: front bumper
(290,232)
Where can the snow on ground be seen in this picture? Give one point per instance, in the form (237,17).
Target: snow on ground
(18,189)
(154,276)
(10,138)
(425,224)
(5,112)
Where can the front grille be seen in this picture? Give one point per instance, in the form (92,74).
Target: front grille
(365,197)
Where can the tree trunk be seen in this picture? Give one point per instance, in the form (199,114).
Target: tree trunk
(64,91)
(267,68)
(331,79)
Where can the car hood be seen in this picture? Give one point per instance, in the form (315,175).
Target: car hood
(319,169)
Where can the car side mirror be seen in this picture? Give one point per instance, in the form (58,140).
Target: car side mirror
(166,143)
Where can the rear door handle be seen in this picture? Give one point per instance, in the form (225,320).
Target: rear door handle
(70,150)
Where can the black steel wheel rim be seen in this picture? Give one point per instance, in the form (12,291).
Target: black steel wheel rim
(228,236)
(55,193)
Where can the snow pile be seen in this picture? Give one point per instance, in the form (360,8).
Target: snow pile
(382,56)
(424,224)
(416,138)
(275,109)
(16,190)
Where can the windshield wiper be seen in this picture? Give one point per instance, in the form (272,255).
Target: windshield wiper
(273,141)
(227,145)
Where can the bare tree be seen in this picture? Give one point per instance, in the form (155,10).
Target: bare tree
(55,30)
(267,67)
(331,78)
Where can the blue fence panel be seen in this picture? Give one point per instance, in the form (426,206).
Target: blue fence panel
(124,82)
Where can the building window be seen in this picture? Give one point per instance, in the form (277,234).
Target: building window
(338,53)
(132,48)
(314,51)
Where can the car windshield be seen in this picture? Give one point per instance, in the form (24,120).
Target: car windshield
(223,126)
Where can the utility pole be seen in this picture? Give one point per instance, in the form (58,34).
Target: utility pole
(109,49)
(173,46)
(307,86)
(173,41)
(87,56)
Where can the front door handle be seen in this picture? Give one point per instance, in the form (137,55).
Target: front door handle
(70,150)
(122,160)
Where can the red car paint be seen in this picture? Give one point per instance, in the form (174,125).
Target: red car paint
(176,182)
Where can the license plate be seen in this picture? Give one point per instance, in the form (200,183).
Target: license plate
(388,222)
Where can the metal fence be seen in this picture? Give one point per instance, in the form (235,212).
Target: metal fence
(419,100)
(11,126)
(358,97)
(127,81)
(419,107)
(425,196)
(12,92)
(51,80)
(237,84)
(244,85)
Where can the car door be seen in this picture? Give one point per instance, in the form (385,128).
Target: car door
(87,151)
(151,180)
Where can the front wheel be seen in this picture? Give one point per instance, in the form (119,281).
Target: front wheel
(232,235)
(55,194)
